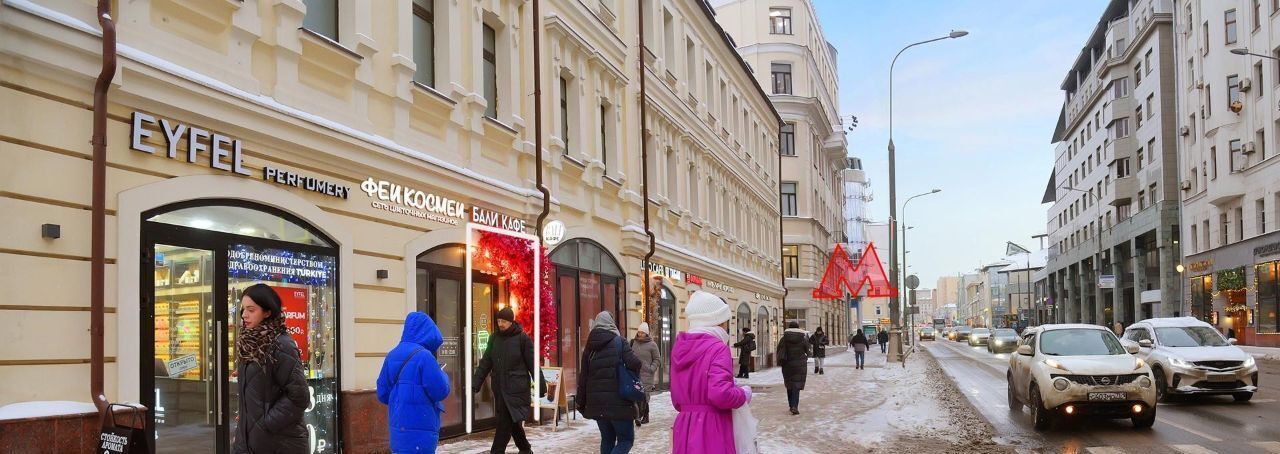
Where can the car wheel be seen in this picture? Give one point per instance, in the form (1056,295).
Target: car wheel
(1014,404)
(1042,417)
(1242,397)
(1147,420)
(1162,385)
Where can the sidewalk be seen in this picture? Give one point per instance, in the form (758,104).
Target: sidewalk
(879,409)
(1267,353)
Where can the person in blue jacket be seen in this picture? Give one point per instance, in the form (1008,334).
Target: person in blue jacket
(413,386)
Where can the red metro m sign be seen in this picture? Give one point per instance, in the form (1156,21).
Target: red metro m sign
(843,276)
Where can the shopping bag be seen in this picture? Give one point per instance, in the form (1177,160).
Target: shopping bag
(117,439)
(745,426)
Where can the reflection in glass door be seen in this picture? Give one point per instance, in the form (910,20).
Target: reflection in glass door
(441,297)
(187,378)
(484,297)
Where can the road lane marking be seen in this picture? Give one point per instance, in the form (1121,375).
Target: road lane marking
(1190,430)
(1269,446)
(1192,449)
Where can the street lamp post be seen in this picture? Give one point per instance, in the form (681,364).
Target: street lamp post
(1245,51)
(904,255)
(894,311)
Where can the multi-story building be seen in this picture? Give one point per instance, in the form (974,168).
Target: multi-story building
(1229,183)
(857,194)
(926,299)
(783,42)
(366,159)
(875,311)
(972,311)
(1112,225)
(1019,291)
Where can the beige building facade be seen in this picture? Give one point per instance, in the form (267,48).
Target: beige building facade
(366,159)
(784,43)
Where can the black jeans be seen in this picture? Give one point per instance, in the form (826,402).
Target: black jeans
(744,368)
(616,436)
(507,429)
(793,397)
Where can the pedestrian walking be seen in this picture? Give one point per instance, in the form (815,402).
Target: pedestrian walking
(650,361)
(273,391)
(509,358)
(793,352)
(860,345)
(818,343)
(745,347)
(599,397)
(883,339)
(413,387)
(702,388)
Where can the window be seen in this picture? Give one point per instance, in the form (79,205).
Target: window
(1237,158)
(791,261)
(673,180)
(606,139)
(1213,161)
(1223,229)
(1239,223)
(1122,168)
(1151,151)
(490,69)
(1146,60)
(1268,297)
(789,199)
(1154,193)
(321,17)
(711,88)
(787,139)
(1204,230)
(690,63)
(1206,111)
(780,21)
(564,112)
(1151,111)
(1142,200)
(1229,29)
(1120,128)
(1137,115)
(781,78)
(1233,89)
(1259,207)
(1204,41)
(1257,14)
(1260,144)
(424,42)
(669,38)
(1195,240)
(1137,74)
(694,185)
(1140,160)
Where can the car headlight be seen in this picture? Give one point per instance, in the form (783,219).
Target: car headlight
(1179,362)
(1144,382)
(1061,384)
(1054,364)
(996,342)
(1249,362)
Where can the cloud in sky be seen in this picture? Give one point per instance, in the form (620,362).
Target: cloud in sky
(972,116)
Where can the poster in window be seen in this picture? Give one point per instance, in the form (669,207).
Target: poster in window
(293,301)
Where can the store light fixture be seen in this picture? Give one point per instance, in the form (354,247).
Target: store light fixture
(383,274)
(248,230)
(201,223)
(50,231)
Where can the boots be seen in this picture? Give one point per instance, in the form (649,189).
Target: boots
(794,411)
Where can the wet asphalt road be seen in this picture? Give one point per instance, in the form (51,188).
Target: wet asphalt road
(1192,425)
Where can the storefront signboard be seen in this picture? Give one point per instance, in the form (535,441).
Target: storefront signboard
(762,297)
(1267,250)
(553,232)
(496,220)
(287,178)
(666,271)
(294,302)
(1107,281)
(708,283)
(404,200)
(1200,266)
(224,152)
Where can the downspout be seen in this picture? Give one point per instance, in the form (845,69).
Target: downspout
(782,272)
(97,277)
(644,170)
(537,121)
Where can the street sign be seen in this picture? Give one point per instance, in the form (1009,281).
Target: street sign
(1107,281)
(915,310)
(913,282)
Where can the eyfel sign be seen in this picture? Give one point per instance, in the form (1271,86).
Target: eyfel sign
(224,152)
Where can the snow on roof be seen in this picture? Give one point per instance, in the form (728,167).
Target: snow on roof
(1038,260)
(45,408)
(1174,322)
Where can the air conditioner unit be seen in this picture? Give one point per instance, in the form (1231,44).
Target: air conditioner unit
(1186,185)
(1245,84)
(1184,131)
(1249,148)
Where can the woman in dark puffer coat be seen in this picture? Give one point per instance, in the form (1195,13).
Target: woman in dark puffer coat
(793,351)
(273,389)
(598,396)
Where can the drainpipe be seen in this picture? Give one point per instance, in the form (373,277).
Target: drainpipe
(782,271)
(537,123)
(97,278)
(644,169)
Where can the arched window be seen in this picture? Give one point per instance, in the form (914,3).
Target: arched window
(588,280)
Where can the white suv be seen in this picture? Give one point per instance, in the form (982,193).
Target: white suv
(1188,356)
(1079,371)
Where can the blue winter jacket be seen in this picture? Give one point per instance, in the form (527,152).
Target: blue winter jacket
(415,401)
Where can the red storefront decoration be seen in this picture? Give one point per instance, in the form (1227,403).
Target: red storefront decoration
(511,259)
(293,301)
(842,275)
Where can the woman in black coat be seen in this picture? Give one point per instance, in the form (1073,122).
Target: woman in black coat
(818,341)
(509,359)
(273,389)
(598,385)
(793,352)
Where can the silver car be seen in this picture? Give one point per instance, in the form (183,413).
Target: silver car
(979,336)
(1188,356)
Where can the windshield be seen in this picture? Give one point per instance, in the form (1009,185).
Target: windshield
(1190,336)
(927,330)
(1080,342)
(1006,333)
(981,331)
(963,330)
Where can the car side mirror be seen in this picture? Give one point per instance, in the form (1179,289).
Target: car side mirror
(1132,349)
(1232,341)
(1145,343)
(1025,350)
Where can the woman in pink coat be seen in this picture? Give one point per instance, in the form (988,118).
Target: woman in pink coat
(702,388)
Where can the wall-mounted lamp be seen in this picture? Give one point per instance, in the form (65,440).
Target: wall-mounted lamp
(383,274)
(51,231)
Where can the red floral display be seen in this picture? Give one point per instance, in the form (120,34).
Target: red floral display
(511,259)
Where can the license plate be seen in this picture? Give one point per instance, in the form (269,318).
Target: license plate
(1106,396)
(1222,377)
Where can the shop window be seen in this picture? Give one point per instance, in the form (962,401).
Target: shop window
(244,221)
(743,320)
(588,281)
(1268,297)
(1202,297)
(321,17)
(424,42)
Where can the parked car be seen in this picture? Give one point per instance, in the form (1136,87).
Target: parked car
(962,334)
(928,333)
(1003,340)
(979,336)
(1079,371)
(1190,357)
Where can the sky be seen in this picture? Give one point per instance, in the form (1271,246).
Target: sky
(973,116)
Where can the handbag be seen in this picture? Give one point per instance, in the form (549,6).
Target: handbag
(629,386)
(122,439)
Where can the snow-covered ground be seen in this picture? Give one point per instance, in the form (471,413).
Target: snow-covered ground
(1267,353)
(884,408)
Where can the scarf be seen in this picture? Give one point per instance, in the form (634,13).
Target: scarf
(257,345)
(714,330)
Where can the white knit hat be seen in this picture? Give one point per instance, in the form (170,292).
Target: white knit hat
(644,328)
(705,309)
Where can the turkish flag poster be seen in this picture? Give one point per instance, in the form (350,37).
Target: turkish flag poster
(294,306)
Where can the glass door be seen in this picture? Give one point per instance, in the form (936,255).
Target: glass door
(484,301)
(441,297)
(188,382)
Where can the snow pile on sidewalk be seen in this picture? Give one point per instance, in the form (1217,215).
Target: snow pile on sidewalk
(884,408)
(1266,353)
(45,408)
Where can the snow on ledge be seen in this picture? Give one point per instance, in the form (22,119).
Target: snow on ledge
(45,408)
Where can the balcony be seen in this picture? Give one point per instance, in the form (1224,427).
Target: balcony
(1122,107)
(1125,189)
